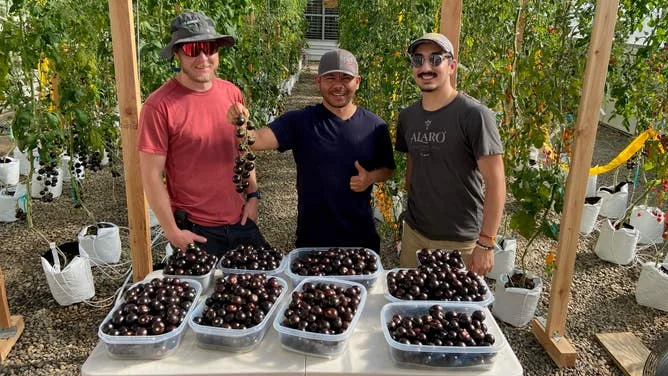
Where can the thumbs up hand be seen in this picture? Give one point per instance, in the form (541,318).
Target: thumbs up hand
(361,181)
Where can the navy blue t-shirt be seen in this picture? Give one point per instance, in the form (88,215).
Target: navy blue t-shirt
(325,148)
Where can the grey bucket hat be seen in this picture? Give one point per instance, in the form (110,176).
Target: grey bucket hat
(193,27)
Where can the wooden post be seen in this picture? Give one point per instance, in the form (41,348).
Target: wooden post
(8,322)
(451,26)
(551,335)
(127,84)
(5,322)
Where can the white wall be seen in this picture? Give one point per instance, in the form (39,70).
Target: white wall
(316,48)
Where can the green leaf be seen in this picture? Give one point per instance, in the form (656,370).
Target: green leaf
(550,229)
(524,223)
(52,120)
(81,117)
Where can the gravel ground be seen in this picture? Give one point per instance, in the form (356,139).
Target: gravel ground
(57,340)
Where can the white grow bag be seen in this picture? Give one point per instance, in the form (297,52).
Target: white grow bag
(152,219)
(37,186)
(617,246)
(649,221)
(590,212)
(9,170)
(65,167)
(105,159)
(71,284)
(591,186)
(24,163)
(652,287)
(504,257)
(614,200)
(513,305)
(101,243)
(9,202)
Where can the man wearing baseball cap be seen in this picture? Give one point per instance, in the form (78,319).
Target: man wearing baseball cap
(184,135)
(453,147)
(340,150)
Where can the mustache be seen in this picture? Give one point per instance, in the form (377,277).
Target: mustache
(421,75)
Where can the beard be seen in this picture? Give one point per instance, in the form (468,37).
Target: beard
(194,76)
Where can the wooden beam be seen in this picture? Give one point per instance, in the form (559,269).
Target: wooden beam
(4,305)
(559,349)
(586,125)
(451,26)
(7,322)
(7,343)
(127,84)
(626,349)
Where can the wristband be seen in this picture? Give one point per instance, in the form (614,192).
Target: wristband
(492,238)
(485,247)
(255,194)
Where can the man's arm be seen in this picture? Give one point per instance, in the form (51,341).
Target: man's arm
(264,137)
(152,167)
(409,171)
(492,171)
(251,207)
(364,178)
(381,174)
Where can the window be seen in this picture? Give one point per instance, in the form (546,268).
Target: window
(323,22)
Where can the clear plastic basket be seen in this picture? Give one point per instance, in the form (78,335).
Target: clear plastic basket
(488,297)
(234,340)
(368,280)
(316,344)
(270,272)
(146,347)
(205,280)
(424,356)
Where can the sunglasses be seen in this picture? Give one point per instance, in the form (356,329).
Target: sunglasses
(193,49)
(434,59)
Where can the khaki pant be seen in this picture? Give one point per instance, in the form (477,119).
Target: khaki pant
(411,241)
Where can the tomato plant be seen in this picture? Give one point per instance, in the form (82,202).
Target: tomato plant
(57,76)
(269,41)
(378,33)
(527,66)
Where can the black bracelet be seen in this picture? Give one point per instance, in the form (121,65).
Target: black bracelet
(255,194)
(485,247)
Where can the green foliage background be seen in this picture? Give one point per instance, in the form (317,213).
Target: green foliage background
(525,60)
(269,41)
(74,38)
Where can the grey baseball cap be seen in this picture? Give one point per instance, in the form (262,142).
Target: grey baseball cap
(338,60)
(436,38)
(193,27)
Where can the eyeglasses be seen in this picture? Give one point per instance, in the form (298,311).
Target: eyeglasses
(434,59)
(193,49)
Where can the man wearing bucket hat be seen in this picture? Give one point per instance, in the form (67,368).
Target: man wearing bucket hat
(185,135)
(340,150)
(453,147)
